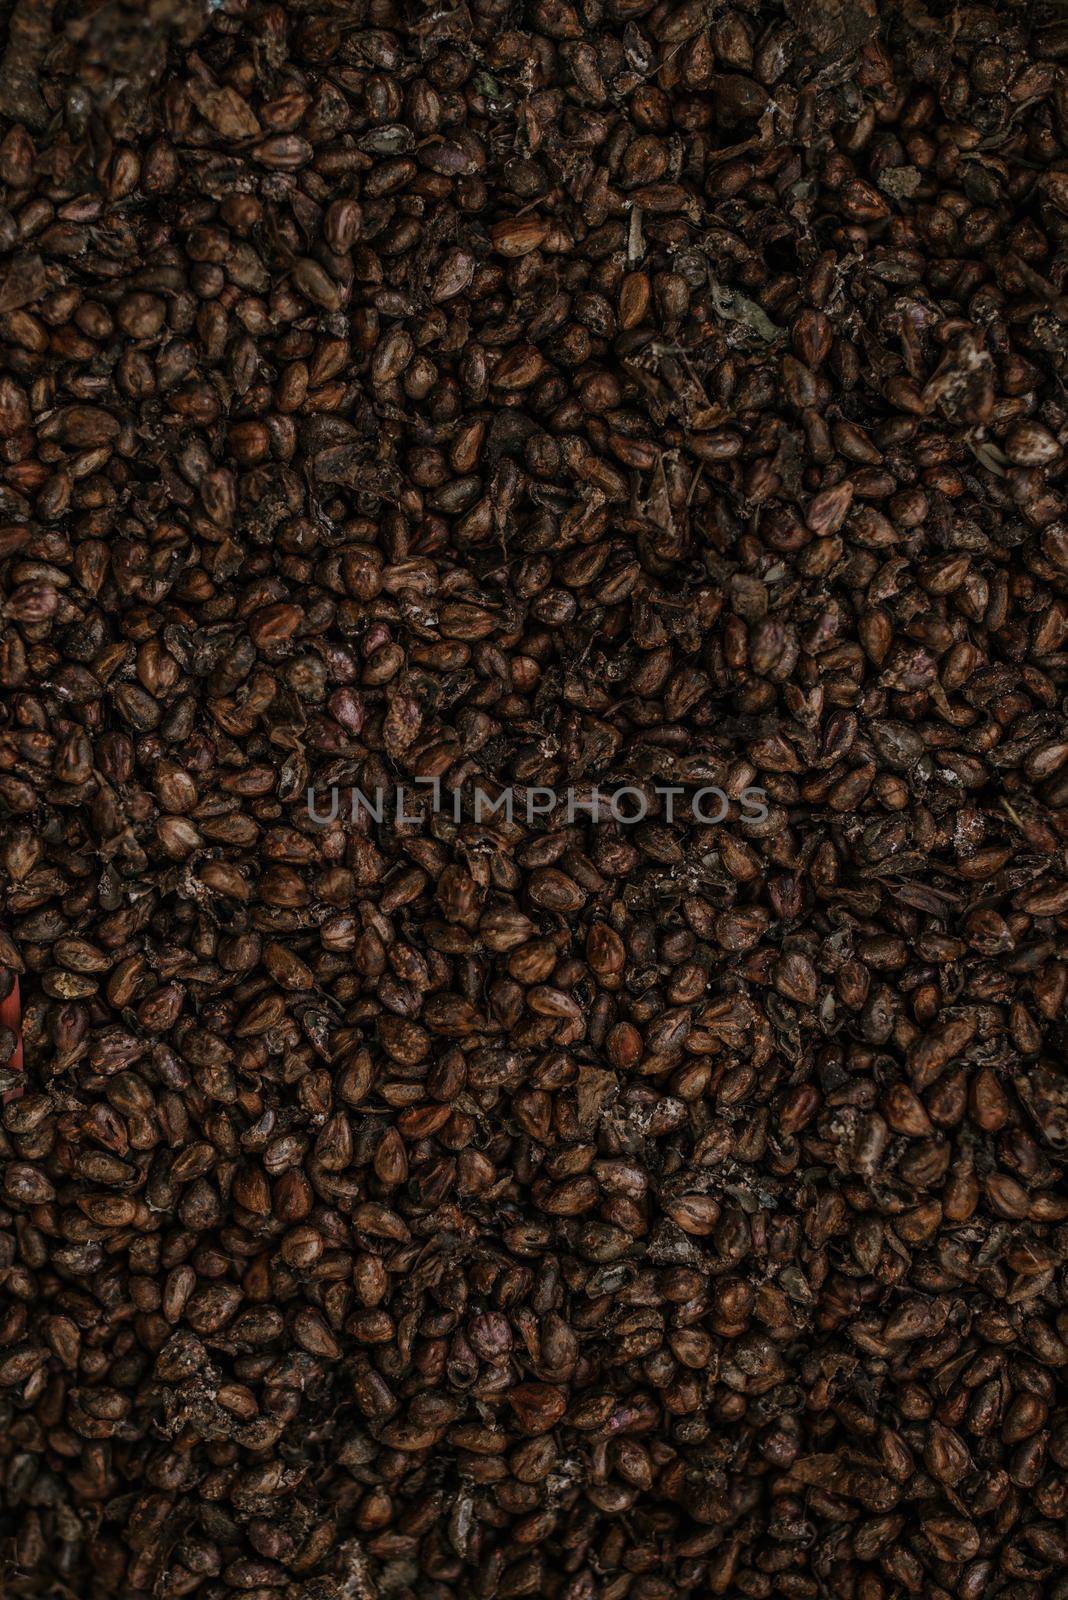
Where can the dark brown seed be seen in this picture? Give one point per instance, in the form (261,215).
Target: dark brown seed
(441,1193)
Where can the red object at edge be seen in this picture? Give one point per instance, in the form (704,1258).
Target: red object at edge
(11,1017)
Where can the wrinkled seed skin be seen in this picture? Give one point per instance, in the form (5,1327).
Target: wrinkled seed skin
(574,395)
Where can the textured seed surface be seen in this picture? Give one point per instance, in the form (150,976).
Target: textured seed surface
(464,1203)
